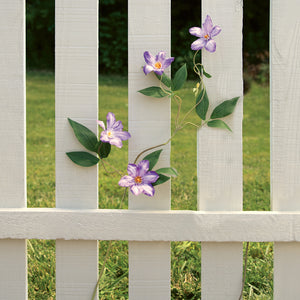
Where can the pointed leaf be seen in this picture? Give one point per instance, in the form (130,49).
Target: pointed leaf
(153,91)
(103,149)
(162,179)
(167,171)
(179,78)
(153,158)
(84,135)
(206,74)
(166,80)
(83,159)
(218,124)
(202,104)
(224,109)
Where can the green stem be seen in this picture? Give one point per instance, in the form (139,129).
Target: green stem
(245,271)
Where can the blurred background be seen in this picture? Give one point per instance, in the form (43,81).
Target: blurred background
(113,35)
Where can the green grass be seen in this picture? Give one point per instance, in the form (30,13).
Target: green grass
(186,256)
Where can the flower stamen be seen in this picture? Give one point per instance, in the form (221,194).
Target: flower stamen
(158,65)
(206,36)
(109,134)
(138,179)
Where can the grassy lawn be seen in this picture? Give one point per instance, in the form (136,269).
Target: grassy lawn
(186,256)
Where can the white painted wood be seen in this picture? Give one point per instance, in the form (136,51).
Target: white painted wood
(76,92)
(13,262)
(149,124)
(145,225)
(285,139)
(220,152)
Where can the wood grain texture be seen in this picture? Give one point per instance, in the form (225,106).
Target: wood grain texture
(145,225)
(149,124)
(220,177)
(13,261)
(76,93)
(285,138)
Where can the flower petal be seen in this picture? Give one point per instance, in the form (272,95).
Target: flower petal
(210,46)
(148,189)
(196,31)
(161,56)
(142,167)
(136,189)
(101,124)
(150,177)
(132,170)
(123,135)
(147,69)
(116,142)
(110,120)
(103,137)
(117,126)
(159,72)
(167,62)
(215,31)
(149,58)
(126,181)
(198,44)
(208,25)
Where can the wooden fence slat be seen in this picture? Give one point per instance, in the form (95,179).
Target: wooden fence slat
(76,93)
(13,260)
(149,124)
(285,139)
(220,152)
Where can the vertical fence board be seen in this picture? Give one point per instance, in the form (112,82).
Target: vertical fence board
(76,93)
(13,261)
(149,125)
(220,152)
(285,138)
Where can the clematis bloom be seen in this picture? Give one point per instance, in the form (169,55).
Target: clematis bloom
(139,179)
(205,35)
(114,133)
(157,64)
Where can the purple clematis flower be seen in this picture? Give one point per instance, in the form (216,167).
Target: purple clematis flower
(139,179)
(205,35)
(158,63)
(114,133)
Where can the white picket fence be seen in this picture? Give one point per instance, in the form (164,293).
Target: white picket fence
(149,225)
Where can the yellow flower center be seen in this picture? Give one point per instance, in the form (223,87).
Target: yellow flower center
(198,85)
(206,36)
(158,65)
(109,134)
(138,179)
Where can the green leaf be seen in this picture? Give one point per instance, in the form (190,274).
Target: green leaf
(153,158)
(162,179)
(85,136)
(164,79)
(179,78)
(206,74)
(103,149)
(224,109)
(83,159)
(167,171)
(153,91)
(218,124)
(202,103)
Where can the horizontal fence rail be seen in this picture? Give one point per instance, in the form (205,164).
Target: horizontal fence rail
(137,225)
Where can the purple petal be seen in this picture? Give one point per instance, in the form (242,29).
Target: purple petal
(215,31)
(136,189)
(116,142)
(117,126)
(110,120)
(208,25)
(101,124)
(126,181)
(196,31)
(167,62)
(159,72)
(150,177)
(198,44)
(148,189)
(210,46)
(103,137)
(161,56)
(132,170)
(149,58)
(142,167)
(123,135)
(147,69)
